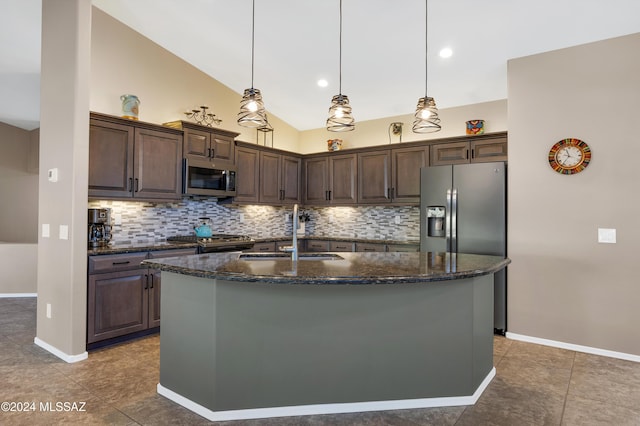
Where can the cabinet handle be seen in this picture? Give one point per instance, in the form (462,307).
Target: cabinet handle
(369,249)
(213,152)
(264,249)
(130,186)
(282,194)
(137,184)
(473,153)
(329,195)
(151,286)
(467,154)
(389,193)
(126,262)
(146,281)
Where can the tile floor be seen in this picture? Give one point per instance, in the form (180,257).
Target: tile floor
(534,385)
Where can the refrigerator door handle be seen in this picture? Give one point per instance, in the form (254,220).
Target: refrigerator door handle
(447,220)
(454,221)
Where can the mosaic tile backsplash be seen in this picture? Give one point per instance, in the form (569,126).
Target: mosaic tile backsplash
(141,221)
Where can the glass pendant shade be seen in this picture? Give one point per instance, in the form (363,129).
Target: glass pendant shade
(340,118)
(252,112)
(426,116)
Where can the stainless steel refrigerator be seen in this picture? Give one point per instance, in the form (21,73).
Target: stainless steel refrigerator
(463,209)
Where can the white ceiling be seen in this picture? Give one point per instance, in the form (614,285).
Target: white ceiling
(383,63)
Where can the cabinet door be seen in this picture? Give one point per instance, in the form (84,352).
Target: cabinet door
(343,179)
(489,150)
(316,172)
(197,144)
(374,177)
(405,169)
(117,304)
(247,178)
(222,149)
(269,177)
(153,280)
(290,179)
(157,165)
(403,247)
(449,153)
(110,160)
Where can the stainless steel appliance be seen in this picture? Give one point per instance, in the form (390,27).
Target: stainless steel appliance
(463,209)
(216,242)
(99,233)
(204,178)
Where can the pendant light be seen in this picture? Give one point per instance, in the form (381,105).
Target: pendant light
(252,112)
(340,118)
(426,116)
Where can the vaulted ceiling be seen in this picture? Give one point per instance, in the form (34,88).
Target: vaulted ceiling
(297,43)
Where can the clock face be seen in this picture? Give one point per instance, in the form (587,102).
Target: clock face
(569,156)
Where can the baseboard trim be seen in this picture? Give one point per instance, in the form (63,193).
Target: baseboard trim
(306,410)
(9,295)
(57,352)
(573,347)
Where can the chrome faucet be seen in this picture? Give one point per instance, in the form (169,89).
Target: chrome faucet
(294,247)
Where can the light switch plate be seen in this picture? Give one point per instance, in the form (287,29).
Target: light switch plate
(52,175)
(606,235)
(45,230)
(64,232)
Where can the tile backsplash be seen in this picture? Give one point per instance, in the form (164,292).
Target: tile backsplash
(143,221)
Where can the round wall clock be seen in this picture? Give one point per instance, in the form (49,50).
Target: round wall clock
(569,156)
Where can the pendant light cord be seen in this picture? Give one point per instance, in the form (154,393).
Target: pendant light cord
(340,60)
(426,47)
(253,37)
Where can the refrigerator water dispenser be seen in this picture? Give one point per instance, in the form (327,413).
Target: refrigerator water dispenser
(435,221)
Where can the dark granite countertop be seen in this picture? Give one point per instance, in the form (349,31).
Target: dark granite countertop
(132,247)
(153,245)
(349,268)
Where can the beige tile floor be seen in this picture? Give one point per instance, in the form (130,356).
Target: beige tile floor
(534,385)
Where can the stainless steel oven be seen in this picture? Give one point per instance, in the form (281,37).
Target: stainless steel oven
(204,178)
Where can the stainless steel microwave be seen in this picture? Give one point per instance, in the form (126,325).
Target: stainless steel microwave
(203,178)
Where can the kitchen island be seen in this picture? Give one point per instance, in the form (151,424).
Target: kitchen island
(250,336)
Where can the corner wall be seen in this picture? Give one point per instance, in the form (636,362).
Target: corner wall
(563,284)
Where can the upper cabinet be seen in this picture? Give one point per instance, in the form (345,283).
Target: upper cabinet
(207,143)
(477,149)
(130,159)
(331,179)
(267,175)
(391,175)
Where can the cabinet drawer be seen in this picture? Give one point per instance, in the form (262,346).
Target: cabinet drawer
(116,262)
(341,246)
(172,253)
(403,247)
(317,245)
(370,247)
(264,247)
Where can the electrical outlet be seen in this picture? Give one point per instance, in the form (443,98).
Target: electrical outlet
(606,235)
(46,230)
(241,217)
(397,219)
(286,217)
(48,310)
(64,232)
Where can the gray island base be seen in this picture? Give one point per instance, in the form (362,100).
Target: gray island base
(238,345)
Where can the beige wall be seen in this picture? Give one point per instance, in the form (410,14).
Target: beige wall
(18,185)
(563,284)
(123,61)
(17,272)
(376,132)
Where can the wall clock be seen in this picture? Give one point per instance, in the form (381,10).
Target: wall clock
(569,156)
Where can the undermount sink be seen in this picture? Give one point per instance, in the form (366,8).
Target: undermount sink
(285,256)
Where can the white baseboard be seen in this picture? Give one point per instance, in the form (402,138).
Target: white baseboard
(307,410)
(57,352)
(8,295)
(573,347)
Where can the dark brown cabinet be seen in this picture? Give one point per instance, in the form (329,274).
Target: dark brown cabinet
(133,160)
(371,247)
(479,149)
(331,179)
(207,143)
(392,175)
(317,246)
(342,246)
(267,176)
(122,296)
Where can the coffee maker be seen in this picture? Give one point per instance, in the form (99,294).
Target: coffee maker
(99,227)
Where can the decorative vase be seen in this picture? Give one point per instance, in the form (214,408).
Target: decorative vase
(475,127)
(130,106)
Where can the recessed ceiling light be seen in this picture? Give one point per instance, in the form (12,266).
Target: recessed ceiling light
(446,52)
(323,83)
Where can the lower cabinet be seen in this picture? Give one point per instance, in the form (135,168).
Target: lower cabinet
(123,297)
(371,247)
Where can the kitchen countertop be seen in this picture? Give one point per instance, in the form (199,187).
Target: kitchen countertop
(153,245)
(349,268)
